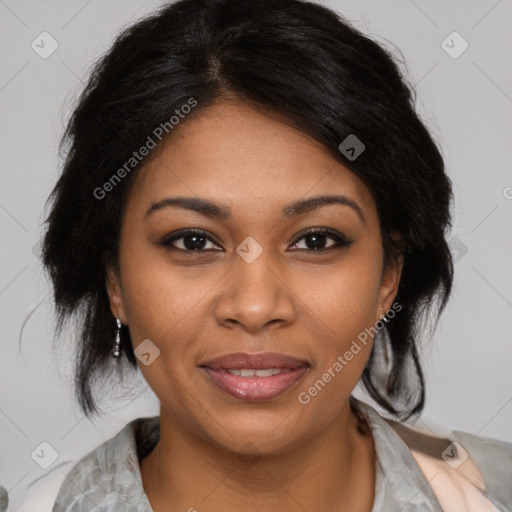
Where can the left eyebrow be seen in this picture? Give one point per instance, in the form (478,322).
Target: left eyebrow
(313,203)
(221,211)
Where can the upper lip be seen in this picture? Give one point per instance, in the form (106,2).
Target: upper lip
(258,361)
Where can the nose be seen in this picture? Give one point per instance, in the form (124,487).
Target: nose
(254,297)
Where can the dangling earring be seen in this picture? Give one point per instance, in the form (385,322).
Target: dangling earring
(117,347)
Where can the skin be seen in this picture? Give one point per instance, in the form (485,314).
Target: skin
(217,452)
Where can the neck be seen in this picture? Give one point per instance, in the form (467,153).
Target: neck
(334,469)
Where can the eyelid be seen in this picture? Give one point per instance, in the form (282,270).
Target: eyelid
(334,234)
(167,240)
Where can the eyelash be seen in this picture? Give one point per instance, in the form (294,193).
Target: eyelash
(341,241)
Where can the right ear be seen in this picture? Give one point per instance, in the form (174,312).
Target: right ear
(115,293)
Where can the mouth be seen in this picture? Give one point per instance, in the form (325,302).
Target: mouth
(255,377)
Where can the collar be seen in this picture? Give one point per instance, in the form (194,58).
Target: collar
(399,482)
(109,477)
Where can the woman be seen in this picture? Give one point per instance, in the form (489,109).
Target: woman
(253,214)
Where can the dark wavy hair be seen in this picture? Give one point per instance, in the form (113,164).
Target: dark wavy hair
(296,59)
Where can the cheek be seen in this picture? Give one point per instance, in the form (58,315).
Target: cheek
(341,304)
(344,296)
(160,300)
(164,305)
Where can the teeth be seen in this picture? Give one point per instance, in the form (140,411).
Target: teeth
(267,373)
(251,372)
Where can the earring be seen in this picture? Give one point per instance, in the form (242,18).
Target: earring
(117,347)
(384,318)
(384,340)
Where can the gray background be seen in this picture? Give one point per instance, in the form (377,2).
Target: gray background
(466,103)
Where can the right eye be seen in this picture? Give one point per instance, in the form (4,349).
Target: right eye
(188,240)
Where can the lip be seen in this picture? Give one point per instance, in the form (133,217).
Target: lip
(255,389)
(257,361)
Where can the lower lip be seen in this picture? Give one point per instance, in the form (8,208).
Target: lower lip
(254,389)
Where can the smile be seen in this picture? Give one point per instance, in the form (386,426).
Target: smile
(255,377)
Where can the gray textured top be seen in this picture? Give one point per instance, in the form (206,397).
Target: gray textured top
(109,479)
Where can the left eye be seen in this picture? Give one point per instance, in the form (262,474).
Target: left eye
(317,240)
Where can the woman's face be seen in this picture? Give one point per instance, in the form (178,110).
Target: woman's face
(253,282)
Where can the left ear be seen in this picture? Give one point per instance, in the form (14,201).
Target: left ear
(115,294)
(389,283)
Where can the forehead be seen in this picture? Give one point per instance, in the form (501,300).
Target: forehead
(245,157)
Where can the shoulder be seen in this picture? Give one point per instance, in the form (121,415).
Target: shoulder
(493,458)
(110,474)
(465,461)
